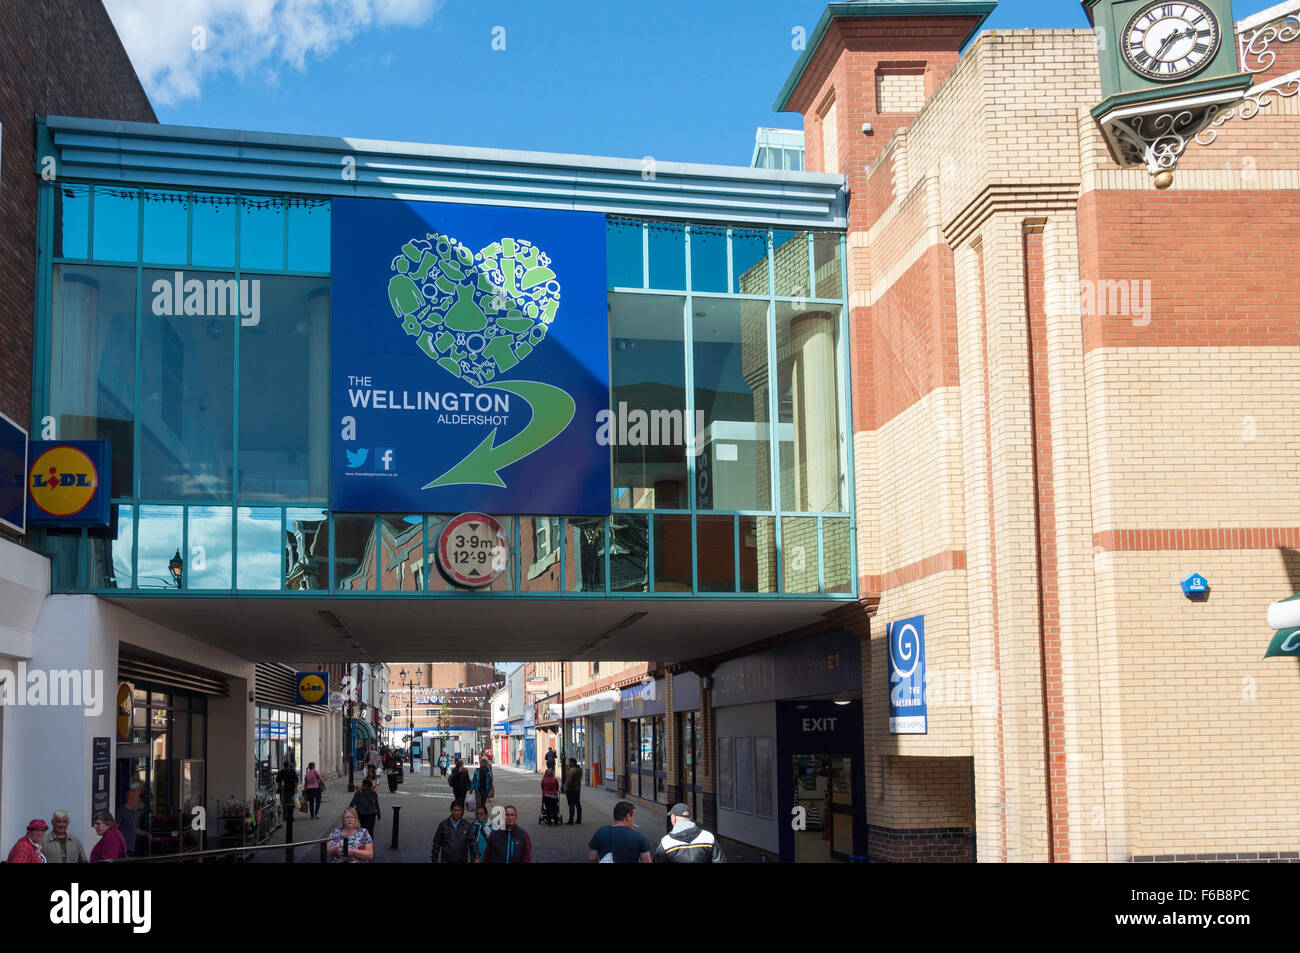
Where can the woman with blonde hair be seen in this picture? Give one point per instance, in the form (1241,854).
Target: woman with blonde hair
(360,845)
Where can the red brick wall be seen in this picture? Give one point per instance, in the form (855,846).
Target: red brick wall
(1242,290)
(57,57)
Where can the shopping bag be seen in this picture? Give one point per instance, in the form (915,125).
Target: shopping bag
(302,804)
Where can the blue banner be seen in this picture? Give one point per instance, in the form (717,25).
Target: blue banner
(13,475)
(907,715)
(470,357)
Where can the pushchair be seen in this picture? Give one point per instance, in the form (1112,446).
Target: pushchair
(550,812)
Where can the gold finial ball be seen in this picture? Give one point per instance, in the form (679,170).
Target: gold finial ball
(1164,178)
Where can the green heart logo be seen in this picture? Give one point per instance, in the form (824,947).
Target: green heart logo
(478,314)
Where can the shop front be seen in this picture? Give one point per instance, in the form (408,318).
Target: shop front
(642,709)
(686,710)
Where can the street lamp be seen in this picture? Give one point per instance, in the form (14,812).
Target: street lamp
(177,566)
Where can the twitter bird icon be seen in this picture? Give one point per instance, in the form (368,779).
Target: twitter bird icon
(357,458)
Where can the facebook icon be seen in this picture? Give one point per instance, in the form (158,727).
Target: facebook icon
(385,459)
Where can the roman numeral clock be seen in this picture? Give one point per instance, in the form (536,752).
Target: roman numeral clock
(1168,68)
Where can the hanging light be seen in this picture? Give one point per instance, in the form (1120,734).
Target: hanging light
(177,566)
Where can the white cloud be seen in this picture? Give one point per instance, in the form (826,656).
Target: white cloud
(175,45)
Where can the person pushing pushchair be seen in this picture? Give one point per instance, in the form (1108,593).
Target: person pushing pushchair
(550,813)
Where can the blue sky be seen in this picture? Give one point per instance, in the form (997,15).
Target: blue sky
(676,80)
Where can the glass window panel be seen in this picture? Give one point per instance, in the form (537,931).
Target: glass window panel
(745,775)
(835,555)
(117,224)
(306,549)
(283,387)
(667,256)
(401,553)
(715,547)
(354,552)
(793,160)
(672,553)
(790,263)
(709,258)
(440,583)
(187,403)
(540,544)
(764,158)
(648,378)
(749,262)
(726,774)
(261,234)
(213,239)
(110,557)
(92,361)
(757,554)
(64,552)
(208,564)
(258,537)
(180,734)
(807,340)
(628,555)
(734,469)
(309,235)
(624,265)
(763,776)
(72,218)
(161,541)
(166,218)
(799,553)
(826,264)
(585,554)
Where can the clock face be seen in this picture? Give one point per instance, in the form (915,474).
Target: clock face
(1171,41)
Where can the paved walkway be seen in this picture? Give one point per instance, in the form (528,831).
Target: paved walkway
(426,801)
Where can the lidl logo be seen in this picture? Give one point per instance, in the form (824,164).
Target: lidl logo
(63,481)
(311,687)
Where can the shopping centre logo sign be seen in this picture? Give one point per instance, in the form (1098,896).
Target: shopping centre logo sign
(466,340)
(66,483)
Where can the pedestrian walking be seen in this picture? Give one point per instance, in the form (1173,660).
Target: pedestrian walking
(60,847)
(390,771)
(573,789)
(620,842)
(112,845)
(313,786)
(459,782)
(453,841)
(550,797)
(550,759)
(443,762)
(28,849)
(373,759)
(511,844)
(482,783)
(129,815)
(286,779)
(480,831)
(360,842)
(366,802)
(687,842)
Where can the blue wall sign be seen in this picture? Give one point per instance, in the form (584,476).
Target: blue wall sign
(13,475)
(311,687)
(470,357)
(1195,585)
(68,482)
(907,713)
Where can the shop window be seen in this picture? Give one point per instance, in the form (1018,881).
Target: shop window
(284,436)
(72,213)
(624,253)
(166,223)
(208,563)
(648,425)
(261,234)
(306,549)
(799,553)
(213,230)
(749,262)
(585,555)
(826,265)
(187,401)
(745,775)
(92,361)
(162,538)
(667,249)
(709,259)
(807,339)
(790,264)
(355,552)
(309,235)
(733,468)
(117,224)
(726,774)
(758,554)
(258,539)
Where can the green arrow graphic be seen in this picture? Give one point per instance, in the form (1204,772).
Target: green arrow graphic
(552,410)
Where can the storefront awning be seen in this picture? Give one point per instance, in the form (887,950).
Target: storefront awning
(590,705)
(362,729)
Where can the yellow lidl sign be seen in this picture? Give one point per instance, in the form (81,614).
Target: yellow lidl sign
(312,688)
(66,483)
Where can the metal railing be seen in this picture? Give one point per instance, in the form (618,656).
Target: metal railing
(233,853)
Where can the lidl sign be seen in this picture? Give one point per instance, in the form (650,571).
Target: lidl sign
(470,350)
(68,483)
(311,687)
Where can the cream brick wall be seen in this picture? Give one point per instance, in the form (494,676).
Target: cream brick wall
(1189,438)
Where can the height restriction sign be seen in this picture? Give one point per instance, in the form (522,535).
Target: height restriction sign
(473,550)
